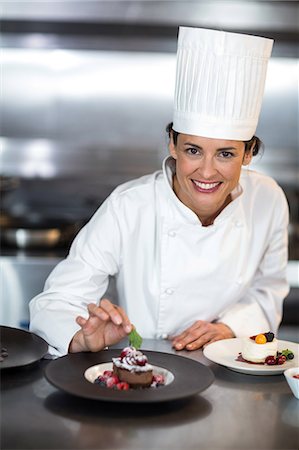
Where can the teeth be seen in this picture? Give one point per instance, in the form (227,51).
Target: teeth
(205,185)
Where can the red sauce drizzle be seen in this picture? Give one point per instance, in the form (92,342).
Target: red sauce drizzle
(241,359)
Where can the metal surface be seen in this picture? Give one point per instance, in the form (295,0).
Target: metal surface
(24,238)
(274,15)
(87,91)
(103,114)
(236,412)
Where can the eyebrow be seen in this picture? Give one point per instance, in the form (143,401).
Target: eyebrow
(199,147)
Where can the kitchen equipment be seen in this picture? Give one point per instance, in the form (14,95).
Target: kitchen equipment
(37,232)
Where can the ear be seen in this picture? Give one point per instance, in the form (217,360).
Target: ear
(172,147)
(247,158)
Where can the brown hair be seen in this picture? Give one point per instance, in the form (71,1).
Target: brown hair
(254,141)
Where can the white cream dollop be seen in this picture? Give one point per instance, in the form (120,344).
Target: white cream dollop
(131,359)
(257,353)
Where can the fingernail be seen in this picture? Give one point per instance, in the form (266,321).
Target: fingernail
(179,345)
(128,328)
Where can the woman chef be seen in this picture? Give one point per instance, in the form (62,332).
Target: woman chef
(198,249)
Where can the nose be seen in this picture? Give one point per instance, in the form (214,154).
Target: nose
(207,168)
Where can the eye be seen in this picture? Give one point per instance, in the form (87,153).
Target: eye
(226,154)
(192,151)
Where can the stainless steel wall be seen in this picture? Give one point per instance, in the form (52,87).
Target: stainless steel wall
(87,92)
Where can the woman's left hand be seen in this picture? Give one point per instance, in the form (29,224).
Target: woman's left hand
(201,333)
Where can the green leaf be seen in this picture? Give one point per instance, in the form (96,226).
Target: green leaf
(287,353)
(135,339)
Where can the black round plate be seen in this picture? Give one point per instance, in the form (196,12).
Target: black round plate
(190,377)
(22,346)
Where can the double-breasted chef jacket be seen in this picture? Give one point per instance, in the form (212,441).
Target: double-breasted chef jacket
(170,270)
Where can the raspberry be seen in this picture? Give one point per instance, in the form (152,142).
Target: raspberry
(281,360)
(107,373)
(112,381)
(270,360)
(159,379)
(122,386)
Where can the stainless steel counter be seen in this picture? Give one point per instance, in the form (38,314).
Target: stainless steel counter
(236,412)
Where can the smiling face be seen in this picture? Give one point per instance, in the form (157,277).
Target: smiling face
(207,171)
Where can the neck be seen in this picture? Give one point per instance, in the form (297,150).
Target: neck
(208,220)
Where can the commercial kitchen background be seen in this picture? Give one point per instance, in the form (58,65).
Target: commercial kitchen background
(86,93)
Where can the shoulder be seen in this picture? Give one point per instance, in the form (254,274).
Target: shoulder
(263,195)
(256,184)
(138,191)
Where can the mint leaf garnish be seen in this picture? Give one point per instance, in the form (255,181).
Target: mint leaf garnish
(135,339)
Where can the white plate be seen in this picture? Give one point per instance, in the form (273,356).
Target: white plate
(94,371)
(226,351)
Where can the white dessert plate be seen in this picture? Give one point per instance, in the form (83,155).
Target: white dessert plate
(94,371)
(226,352)
(75,372)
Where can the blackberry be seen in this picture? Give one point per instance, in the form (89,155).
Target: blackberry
(269,336)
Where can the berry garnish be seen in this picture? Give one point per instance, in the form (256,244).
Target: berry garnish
(122,386)
(112,381)
(260,339)
(281,360)
(270,360)
(288,354)
(269,336)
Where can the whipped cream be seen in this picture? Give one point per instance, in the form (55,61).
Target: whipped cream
(253,352)
(132,360)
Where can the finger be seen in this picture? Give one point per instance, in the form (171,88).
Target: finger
(81,321)
(199,342)
(195,326)
(110,308)
(186,339)
(97,311)
(106,313)
(126,323)
(89,326)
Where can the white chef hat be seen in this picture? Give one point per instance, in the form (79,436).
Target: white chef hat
(220,79)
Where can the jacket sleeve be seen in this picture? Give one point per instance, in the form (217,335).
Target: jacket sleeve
(260,309)
(80,279)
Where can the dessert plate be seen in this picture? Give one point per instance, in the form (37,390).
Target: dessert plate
(226,351)
(23,347)
(68,373)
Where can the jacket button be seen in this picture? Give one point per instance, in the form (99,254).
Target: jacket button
(171,233)
(169,291)
(238,224)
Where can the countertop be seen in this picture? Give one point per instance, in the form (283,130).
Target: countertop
(237,411)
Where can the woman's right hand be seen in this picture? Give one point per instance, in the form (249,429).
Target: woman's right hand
(106,325)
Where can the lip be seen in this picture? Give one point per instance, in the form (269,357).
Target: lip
(209,188)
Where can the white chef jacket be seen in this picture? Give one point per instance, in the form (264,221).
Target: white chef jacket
(170,270)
